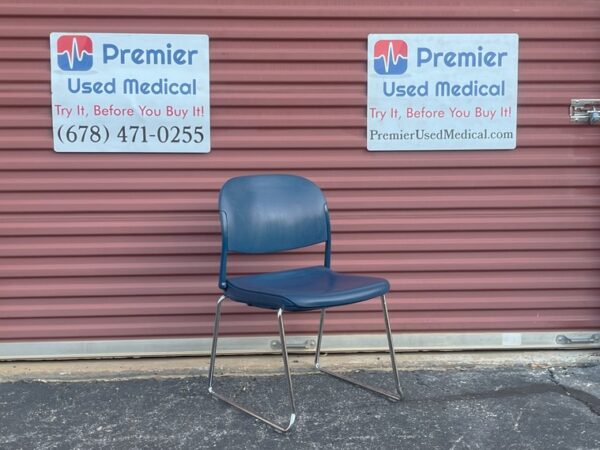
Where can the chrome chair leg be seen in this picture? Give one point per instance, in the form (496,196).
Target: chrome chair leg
(280,428)
(390,396)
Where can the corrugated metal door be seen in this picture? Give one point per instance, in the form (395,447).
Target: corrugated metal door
(124,245)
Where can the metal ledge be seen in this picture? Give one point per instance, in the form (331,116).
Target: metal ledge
(341,343)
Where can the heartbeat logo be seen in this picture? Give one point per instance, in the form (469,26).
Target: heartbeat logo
(390,57)
(74,52)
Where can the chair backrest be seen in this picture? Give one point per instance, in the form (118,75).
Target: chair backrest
(271,213)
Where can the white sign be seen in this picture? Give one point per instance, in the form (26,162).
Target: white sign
(442,91)
(130,92)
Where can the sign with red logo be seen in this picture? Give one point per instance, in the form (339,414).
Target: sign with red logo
(130,92)
(442,91)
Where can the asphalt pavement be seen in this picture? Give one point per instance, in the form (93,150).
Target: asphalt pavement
(507,408)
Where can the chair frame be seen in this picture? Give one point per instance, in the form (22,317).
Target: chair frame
(399,395)
(292,418)
(286,427)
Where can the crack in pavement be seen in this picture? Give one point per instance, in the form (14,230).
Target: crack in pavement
(590,401)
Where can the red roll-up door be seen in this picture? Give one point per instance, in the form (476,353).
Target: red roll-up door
(124,246)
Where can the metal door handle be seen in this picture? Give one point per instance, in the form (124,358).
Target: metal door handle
(564,340)
(307,344)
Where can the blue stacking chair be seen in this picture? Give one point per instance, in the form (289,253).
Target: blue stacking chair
(275,213)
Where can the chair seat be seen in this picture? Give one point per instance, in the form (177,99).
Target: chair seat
(304,289)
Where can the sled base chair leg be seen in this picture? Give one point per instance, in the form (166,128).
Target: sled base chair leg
(388,395)
(280,428)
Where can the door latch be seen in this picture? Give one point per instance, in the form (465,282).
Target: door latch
(585,111)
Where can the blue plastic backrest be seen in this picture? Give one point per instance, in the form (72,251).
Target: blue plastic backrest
(272,213)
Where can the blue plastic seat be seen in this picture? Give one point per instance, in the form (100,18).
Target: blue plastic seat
(304,289)
(276,213)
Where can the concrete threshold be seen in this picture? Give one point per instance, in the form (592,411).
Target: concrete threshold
(263,365)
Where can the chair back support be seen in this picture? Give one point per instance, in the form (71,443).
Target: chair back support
(271,213)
